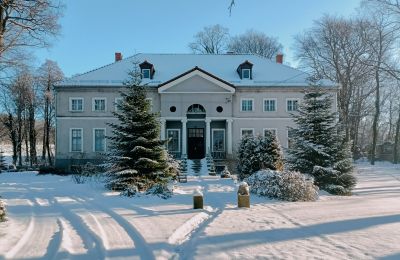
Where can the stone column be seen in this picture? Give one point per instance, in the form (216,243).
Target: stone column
(184,138)
(162,130)
(208,127)
(229,136)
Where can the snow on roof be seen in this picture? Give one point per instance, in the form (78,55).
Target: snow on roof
(167,66)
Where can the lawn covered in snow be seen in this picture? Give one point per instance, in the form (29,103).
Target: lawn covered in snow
(51,217)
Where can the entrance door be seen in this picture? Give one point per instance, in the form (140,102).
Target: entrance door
(195,143)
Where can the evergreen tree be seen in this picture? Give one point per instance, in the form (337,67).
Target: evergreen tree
(256,153)
(3,164)
(138,157)
(318,146)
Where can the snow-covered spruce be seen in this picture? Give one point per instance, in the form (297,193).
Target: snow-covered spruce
(3,164)
(258,152)
(283,185)
(318,146)
(2,211)
(338,183)
(138,157)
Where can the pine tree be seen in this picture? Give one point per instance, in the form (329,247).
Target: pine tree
(318,146)
(256,153)
(3,164)
(138,157)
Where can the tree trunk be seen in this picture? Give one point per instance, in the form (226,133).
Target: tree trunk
(396,141)
(376,117)
(45,128)
(32,135)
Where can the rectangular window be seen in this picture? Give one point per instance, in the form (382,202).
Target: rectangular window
(118,102)
(76,139)
(76,104)
(218,140)
(292,105)
(150,101)
(245,74)
(246,131)
(99,142)
(269,105)
(146,73)
(99,104)
(173,136)
(272,131)
(290,138)
(247,104)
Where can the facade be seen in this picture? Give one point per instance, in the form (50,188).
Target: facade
(206,103)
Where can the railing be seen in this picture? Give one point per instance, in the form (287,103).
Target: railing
(218,155)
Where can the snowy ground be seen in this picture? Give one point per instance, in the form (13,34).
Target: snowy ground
(50,217)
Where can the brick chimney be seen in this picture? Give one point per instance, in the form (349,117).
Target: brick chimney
(279,58)
(118,56)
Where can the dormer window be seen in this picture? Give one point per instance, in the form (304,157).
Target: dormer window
(245,73)
(146,73)
(147,70)
(245,70)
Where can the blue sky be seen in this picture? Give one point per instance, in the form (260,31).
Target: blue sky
(93,30)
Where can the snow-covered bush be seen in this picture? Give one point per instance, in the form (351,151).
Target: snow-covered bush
(334,181)
(225,173)
(258,152)
(2,211)
(283,185)
(160,190)
(3,165)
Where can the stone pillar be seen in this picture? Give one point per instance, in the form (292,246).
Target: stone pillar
(229,136)
(162,131)
(208,143)
(184,138)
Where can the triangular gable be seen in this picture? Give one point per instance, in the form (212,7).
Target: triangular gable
(182,83)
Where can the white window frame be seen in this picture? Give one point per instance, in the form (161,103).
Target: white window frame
(243,70)
(276,104)
(292,99)
(274,129)
(70,139)
(150,100)
(116,102)
(94,139)
(179,138)
(143,73)
(212,137)
(247,99)
(287,138)
(94,101)
(76,98)
(245,129)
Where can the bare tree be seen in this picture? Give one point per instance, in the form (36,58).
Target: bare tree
(256,43)
(212,39)
(334,49)
(48,75)
(25,23)
(380,36)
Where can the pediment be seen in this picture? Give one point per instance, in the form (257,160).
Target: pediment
(196,81)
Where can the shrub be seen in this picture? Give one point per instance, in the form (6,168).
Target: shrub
(285,185)
(258,152)
(51,170)
(2,211)
(161,190)
(334,181)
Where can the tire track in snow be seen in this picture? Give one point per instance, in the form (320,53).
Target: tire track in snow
(143,249)
(92,242)
(25,238)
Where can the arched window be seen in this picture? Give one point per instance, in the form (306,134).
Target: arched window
(196,109)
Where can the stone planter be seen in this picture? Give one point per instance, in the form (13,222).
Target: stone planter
(243,201)
(197,201)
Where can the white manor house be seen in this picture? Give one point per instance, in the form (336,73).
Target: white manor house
(206,103)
